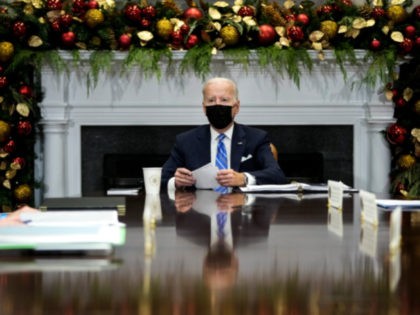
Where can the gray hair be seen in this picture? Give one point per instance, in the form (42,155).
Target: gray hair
(225,80)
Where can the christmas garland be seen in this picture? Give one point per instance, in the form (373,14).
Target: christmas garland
(32,32)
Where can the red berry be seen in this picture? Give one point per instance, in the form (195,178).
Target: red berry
(246,11)
(375,44)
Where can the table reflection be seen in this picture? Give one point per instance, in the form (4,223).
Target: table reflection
(278,255)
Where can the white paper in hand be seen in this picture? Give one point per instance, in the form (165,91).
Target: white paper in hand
(205,177)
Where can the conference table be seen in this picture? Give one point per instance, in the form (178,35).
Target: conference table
(280,254)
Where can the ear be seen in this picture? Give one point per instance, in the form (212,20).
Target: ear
(204,108)
(236,107)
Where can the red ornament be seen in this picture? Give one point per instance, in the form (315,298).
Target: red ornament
(410,31)
(347,3)
(56,26)
(185,29)
(3,81)
(145,22)
(78,6)
(124,40)
(303,18)
(417,41)
(378,12)
(18,163)
(406,46)
(400,102)
(416,13)
(10,146)
(25,91)
(267,35)
(149,12)
(295,33)
(66,20)
(24,128)
(68,38)
(394,93)
(54,4)
(325,9)
(132,12)
(396,134)
(375,44)
(176,39)
(192,41)
(246,11)
(19,29)
(193,13)
(290,18)
(92,4)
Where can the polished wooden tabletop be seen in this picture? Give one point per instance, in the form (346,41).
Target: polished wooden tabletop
(281,254)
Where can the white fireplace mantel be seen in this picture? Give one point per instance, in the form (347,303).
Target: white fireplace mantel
(267,98)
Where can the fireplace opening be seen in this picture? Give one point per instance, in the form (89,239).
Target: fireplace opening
(113,156)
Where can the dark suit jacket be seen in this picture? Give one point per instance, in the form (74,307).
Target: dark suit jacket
(192,150)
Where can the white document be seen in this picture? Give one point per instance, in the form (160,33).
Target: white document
(369,208)
(65,230)
(205,177)
(335,194)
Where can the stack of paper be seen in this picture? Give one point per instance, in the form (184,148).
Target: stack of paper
(65,231)
(293,187)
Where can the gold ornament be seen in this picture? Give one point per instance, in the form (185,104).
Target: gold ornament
(164,28)
(94,17)
(396,13)
(417,106)
(329,28)
(23,109)
(6,51)
(10,173)
(23,192)
(4,131)
(406,161)
(35,41)
(230,35)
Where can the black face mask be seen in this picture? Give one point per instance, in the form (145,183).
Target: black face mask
(219,116)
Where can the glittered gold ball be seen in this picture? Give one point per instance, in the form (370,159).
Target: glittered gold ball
(396,13)
(417,106)
(164,28)
(6,51)
(4,130)
(94,17)
(230,35)
(329,28)
(406,161)
(23,193)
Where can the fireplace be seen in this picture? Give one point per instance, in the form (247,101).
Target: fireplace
(306,153)
(312,115)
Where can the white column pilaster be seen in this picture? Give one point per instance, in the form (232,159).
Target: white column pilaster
(379,156)
(55,158)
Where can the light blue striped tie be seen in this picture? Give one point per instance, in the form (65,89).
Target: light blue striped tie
(221,160)
(221,156)
(221,221)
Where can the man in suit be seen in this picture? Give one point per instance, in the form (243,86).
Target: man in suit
(250,160)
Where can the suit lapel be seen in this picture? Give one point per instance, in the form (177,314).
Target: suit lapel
(237,147)
(203,138)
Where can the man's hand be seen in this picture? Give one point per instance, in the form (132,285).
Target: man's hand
(14,217)
(184,200)
(230,178)
(229,202)
(183,178)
